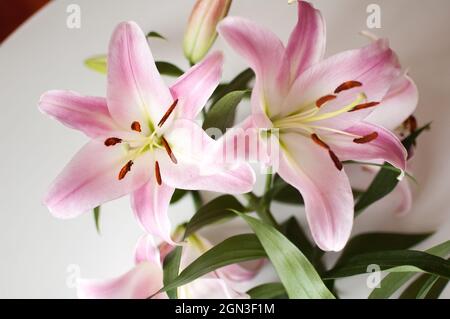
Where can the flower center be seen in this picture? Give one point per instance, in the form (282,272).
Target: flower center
(305,120)
(137,147)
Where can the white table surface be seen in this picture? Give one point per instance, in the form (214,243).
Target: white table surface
(36,249)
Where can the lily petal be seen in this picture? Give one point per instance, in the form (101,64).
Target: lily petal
(151,204)
(91,178)
(195,87)
(264,52)
(136,91)
(139,283)
(386,146)
(209,288)
(147,250)
(326,190)
(197,168)
(87,114)
(307,42)
(399,103)
(375,66)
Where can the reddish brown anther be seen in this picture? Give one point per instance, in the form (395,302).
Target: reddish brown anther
(169,150)
(325,99)
(158,173)
(319,142)
(136,126)
(169,111)
(411,124)
(366,139)
(364,106)
(112,141)
(123,172)
(347,86)
(336,160)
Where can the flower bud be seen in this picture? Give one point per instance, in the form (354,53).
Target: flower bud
(201,30)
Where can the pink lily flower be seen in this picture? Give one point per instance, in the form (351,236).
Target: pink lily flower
(146,278)
(144,138)
(319,107)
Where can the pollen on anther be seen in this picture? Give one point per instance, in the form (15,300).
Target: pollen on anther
(347,86)
(158,173)
(125,169)
(319,142)
(136,126)
(325,99)
(169,150)
(112,141)
(336,160)
(366,139)
(167,114)
(364,106)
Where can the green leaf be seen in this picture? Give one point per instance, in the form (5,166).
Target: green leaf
(297,274)
(273,290)
(169,69)
(178,195)
(392,282)
(373,242)
(419,288)
(292,230)
(214,211)
(171,267)
(154,34)
(239,83)
(96,212)
(437,289)
(98,63)
(232,250)
(221,114)
(387,260)
(411,139)
(384,183)
(284,193)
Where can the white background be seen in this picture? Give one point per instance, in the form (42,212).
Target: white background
(36,249)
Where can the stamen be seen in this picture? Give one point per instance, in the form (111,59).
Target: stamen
(112,141)
(169,111)
(136,126)
(325,99)
(158,173)
(347,86)
(364,106)
(366,139)
(411,124)
(123,172)
(319,142)
(169,150)
(336,160)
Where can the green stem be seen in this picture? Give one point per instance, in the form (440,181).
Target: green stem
(263,209)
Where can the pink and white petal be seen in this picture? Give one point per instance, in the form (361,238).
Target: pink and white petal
(195,87)
(386,146)
(264,52)
(307,42)
(398,104)
(325,190)
(141,282)
(375,66)
(136,91)
(87,114)
(147,250)
(197,167)
(150,205)
(241,272)
(91,179)
(209,288)
(405,198)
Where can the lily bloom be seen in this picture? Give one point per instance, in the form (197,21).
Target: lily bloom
(319,107)
(146,278)
(144,138)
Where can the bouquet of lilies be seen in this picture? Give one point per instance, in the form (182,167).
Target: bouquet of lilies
(314,123)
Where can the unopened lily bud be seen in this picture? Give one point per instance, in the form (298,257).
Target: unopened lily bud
(201,30)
